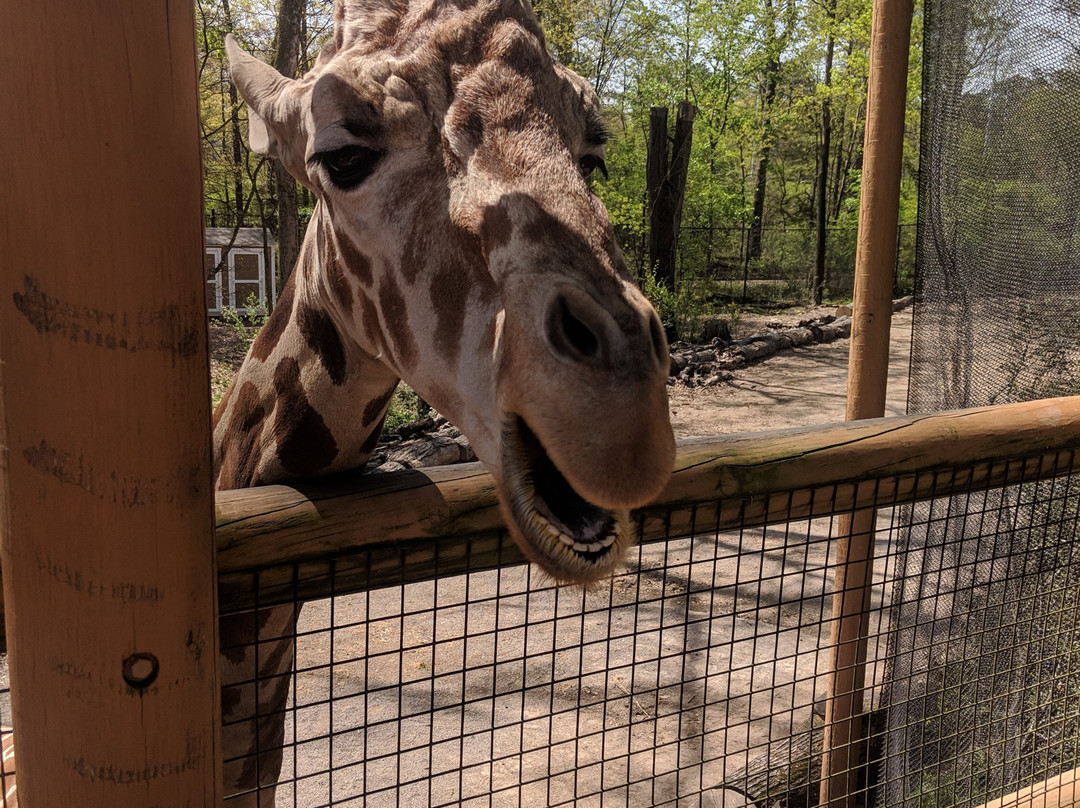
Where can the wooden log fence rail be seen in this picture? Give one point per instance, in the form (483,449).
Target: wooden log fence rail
(289,537)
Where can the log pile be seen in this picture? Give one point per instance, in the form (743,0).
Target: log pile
(712,363)
(429,441)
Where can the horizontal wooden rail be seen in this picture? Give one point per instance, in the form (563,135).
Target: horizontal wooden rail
(733,481)
(1060,791)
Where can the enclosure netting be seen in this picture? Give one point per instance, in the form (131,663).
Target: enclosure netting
(445,672)
(978,650)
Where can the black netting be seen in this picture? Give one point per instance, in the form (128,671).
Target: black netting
(983,665)
(999,207)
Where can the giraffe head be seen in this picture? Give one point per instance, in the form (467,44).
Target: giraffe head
(462,245)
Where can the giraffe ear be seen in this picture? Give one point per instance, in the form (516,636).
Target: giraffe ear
(274,110)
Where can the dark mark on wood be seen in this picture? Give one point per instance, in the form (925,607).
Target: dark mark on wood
(110,773)
(111,485)
(124,592)
(157,330)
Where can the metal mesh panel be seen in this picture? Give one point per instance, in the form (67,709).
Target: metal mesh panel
(983,692)
(999,205)
(693,679)
(7,756)
(983,671)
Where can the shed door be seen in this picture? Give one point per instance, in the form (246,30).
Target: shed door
(213,281)
(248,284)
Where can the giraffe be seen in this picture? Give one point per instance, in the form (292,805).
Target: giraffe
(457,245)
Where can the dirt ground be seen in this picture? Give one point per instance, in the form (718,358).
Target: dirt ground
(800,387)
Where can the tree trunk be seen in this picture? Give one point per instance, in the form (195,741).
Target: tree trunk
(289,21)
(824,149)
(235,134)
(772,78)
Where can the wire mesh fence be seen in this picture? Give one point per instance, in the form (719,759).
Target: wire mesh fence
(446,672)
(714,257)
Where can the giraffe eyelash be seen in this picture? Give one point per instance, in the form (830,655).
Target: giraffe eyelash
(590,163)
(348,166)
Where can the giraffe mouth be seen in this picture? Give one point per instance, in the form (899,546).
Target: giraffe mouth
(559,529)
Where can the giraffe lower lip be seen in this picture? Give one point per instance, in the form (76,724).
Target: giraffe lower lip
(563,532)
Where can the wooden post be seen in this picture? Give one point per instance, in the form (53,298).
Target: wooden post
(845,729)
(105,480)
(666,186)
(656,171)
(680,168)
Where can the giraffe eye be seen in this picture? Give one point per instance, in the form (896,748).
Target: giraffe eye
(590,163)
(348,166)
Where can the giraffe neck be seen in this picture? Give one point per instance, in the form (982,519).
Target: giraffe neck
(306,401)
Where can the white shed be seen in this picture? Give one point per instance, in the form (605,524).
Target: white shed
(239,264)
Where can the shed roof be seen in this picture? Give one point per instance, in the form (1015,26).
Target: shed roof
(246,237)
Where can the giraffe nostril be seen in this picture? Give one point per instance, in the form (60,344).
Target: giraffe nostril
(569,334)
(659,341)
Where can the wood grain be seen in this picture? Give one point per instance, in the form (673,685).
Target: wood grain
(105,489)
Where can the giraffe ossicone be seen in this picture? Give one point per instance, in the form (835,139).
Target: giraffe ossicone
(458,245)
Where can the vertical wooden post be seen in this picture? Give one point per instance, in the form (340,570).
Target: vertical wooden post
(681,144)
(868,366)
(106,508)
(666,186)
(656,172)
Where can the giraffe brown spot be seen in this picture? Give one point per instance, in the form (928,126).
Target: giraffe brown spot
(268,337)
(305,445)
(388,23)
(235,635)
(324,340)
(375,407)
(496,229)
(449,296)
(522,54)
(354,261)
(372,440)
(261,767)
(460,44)
(396,321)
(231,696)
(334,272)
(369,321)
(239,445)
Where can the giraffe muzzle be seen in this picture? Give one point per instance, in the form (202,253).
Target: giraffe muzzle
(569,537)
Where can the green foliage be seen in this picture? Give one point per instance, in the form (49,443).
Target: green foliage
(248,325)
(681,309)
(404,407)
(221,376)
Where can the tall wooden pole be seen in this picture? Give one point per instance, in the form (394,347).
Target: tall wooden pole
(106,513)
(868,366)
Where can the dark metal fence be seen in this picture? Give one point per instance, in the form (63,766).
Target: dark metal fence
(438,672)
(715,257)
